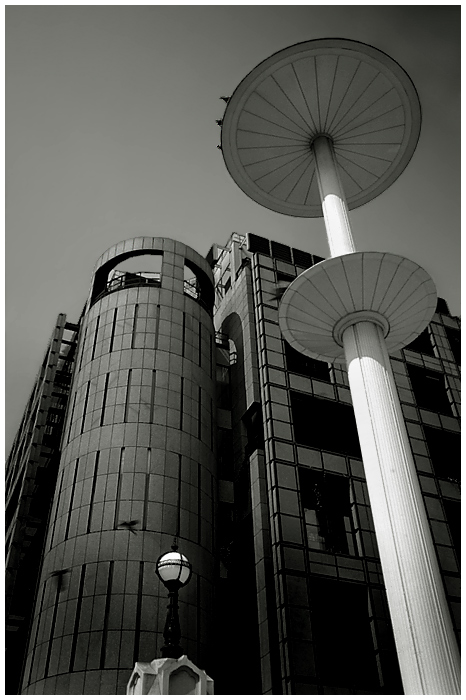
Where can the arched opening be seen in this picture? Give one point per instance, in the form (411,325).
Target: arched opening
(135,268)
(136,272)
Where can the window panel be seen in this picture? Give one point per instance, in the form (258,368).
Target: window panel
(445,452)
(300,364)
(327,512)
(315,421)
(429,389)
(345,653)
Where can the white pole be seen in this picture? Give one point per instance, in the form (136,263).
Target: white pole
(426,645)
(334,207)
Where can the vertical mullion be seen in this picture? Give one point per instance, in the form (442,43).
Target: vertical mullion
(54,518)
(200,344)
(85,407)
(94,480)
(76,619)
(211,357)
(183,335)
(178,514)
(95,337)
(199,413)
(137,629)
(181,402)
(72,415)
(67,529)
(152,396)
(199,517)
(157,323)
(108,599)
(128,390)
(146,490)
(58,580)
(211,424)
(34,646)
(135,321)
(104,398)
(83,349)
(118,494)
(112,336)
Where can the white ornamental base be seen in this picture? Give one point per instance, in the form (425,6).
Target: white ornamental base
(169,677)
(427,649)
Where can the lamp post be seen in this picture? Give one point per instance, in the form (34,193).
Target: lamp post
(174,673)
(174,570)
(319,128)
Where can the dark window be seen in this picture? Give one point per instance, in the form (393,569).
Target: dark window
(300,364)
(283,277)
(454,338)
(445,452)
(225,453)
(258,244)
(252,420)
(302,259)
(281,252)
(453,513)
(345,654)
(326,506)
(324,424)
(422,344)
(223,387)
(429,389)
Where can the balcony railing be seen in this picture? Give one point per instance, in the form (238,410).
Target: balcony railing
(125,280)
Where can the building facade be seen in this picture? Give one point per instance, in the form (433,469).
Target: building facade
(189,417)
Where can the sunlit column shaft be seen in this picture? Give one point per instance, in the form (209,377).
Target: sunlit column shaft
(333,200)
(426,645)
(425,640)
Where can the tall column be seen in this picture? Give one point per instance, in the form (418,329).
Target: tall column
(426,645)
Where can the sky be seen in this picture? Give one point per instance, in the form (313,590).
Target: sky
(111,134)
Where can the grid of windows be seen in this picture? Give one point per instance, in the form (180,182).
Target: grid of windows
(313,450)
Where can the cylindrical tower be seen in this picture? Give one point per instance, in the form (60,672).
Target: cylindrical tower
(137,469)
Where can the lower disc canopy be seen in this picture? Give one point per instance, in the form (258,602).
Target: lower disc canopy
(321,302)
(350,92)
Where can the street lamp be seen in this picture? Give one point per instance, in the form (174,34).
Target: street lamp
(174,570)
(322,127)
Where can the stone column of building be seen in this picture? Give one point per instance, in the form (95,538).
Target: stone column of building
(137,469)
(310,124)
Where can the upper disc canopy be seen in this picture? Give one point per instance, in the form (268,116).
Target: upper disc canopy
(356,95)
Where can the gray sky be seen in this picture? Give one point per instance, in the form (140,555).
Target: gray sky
(110,134)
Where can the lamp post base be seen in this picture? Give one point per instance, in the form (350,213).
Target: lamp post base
(169,676)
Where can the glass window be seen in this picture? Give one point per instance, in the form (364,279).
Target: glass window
(345,654)
(324,424)
(300,364)
(453,513)
(445,452)
(327,512)
(454,338)
(422,344)
(429,389)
